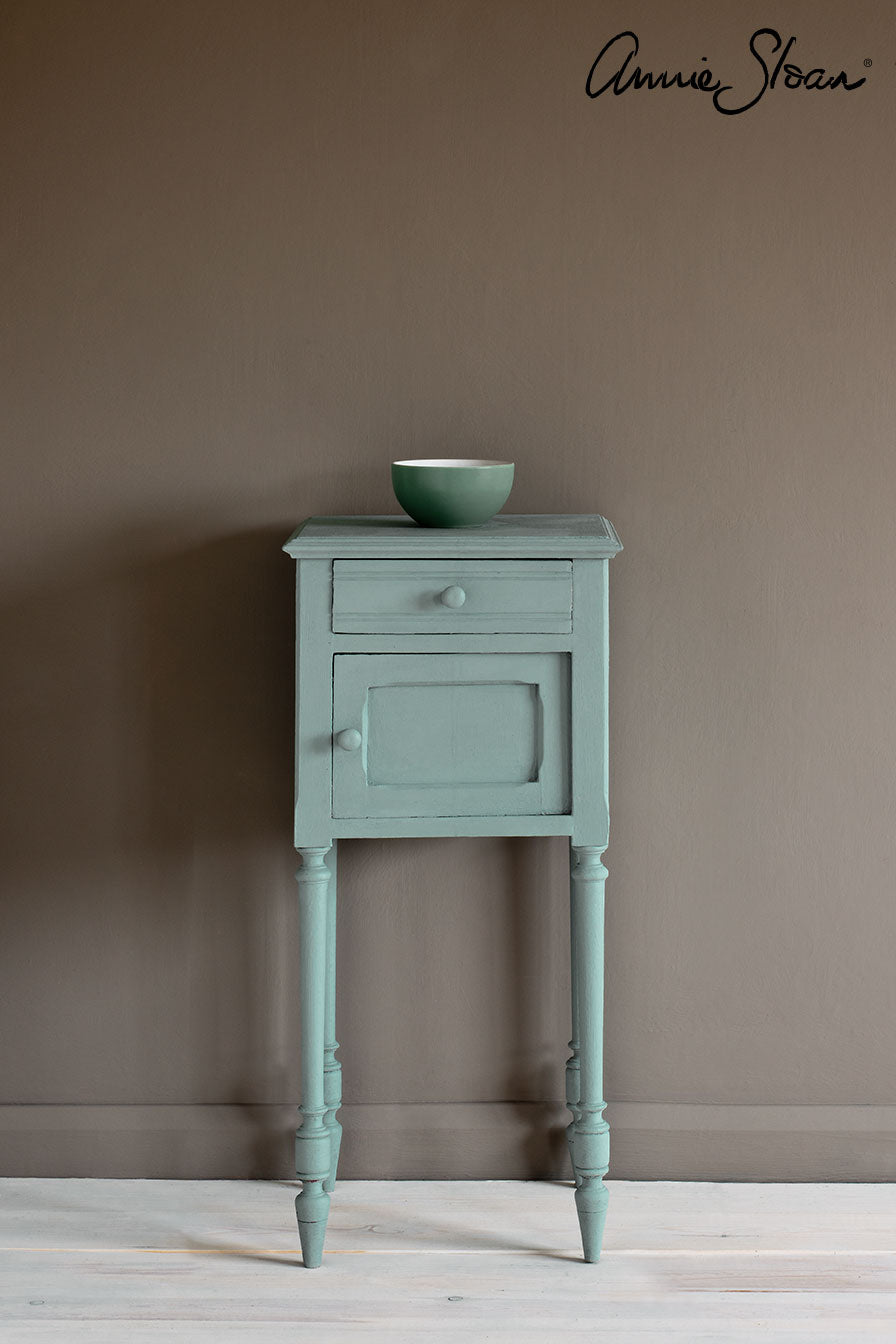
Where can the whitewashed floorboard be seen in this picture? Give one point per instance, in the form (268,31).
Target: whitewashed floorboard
(446,1261)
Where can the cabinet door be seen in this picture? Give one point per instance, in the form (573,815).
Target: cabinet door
(451,735)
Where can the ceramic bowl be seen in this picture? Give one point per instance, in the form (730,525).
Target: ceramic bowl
(451,491)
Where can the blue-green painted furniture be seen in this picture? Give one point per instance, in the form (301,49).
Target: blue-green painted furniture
(450,682)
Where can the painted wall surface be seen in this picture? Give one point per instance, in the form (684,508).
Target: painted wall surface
(254,251)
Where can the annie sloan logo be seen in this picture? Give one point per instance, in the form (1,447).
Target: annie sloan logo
(615,71)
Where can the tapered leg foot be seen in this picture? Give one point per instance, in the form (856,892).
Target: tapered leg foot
(312,1211)
(592,1198)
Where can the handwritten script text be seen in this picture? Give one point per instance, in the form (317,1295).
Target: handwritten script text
(614,71)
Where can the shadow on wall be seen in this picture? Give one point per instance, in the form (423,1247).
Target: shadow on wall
(537,1074)
(454,989)
(148,948)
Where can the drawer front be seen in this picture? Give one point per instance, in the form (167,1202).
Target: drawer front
(450,735)
(384,597)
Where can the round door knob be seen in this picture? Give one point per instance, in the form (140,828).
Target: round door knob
(349,739)
(453,597)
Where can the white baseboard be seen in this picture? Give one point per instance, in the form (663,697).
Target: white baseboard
(475,1140)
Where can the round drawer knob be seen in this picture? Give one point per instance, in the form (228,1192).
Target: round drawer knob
(453,597)
(349,739)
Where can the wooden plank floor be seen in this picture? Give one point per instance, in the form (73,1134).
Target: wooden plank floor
(123,1262)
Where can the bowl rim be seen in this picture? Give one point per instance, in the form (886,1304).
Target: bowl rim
(451,463)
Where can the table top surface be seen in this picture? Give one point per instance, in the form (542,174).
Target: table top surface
(565,536)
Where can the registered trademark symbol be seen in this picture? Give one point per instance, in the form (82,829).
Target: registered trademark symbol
(866,62)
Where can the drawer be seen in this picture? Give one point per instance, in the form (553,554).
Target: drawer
(409,597)
(451,735)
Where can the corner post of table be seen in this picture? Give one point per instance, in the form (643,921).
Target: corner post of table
(332,1066)
(588,1134)
(573,1080)
(313,1138)
(316,1139)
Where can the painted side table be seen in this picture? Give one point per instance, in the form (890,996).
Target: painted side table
(450,682)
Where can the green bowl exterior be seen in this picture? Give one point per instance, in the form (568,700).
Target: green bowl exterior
(452,496)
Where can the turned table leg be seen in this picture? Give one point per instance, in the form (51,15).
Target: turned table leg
(332,1066)
(590,1132)
(313,1138)
(572,1064)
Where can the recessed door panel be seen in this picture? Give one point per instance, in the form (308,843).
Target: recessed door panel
(451,735)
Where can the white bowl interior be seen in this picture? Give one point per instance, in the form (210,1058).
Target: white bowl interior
(452,462)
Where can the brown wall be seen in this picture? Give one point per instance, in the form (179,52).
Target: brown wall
(252,251)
